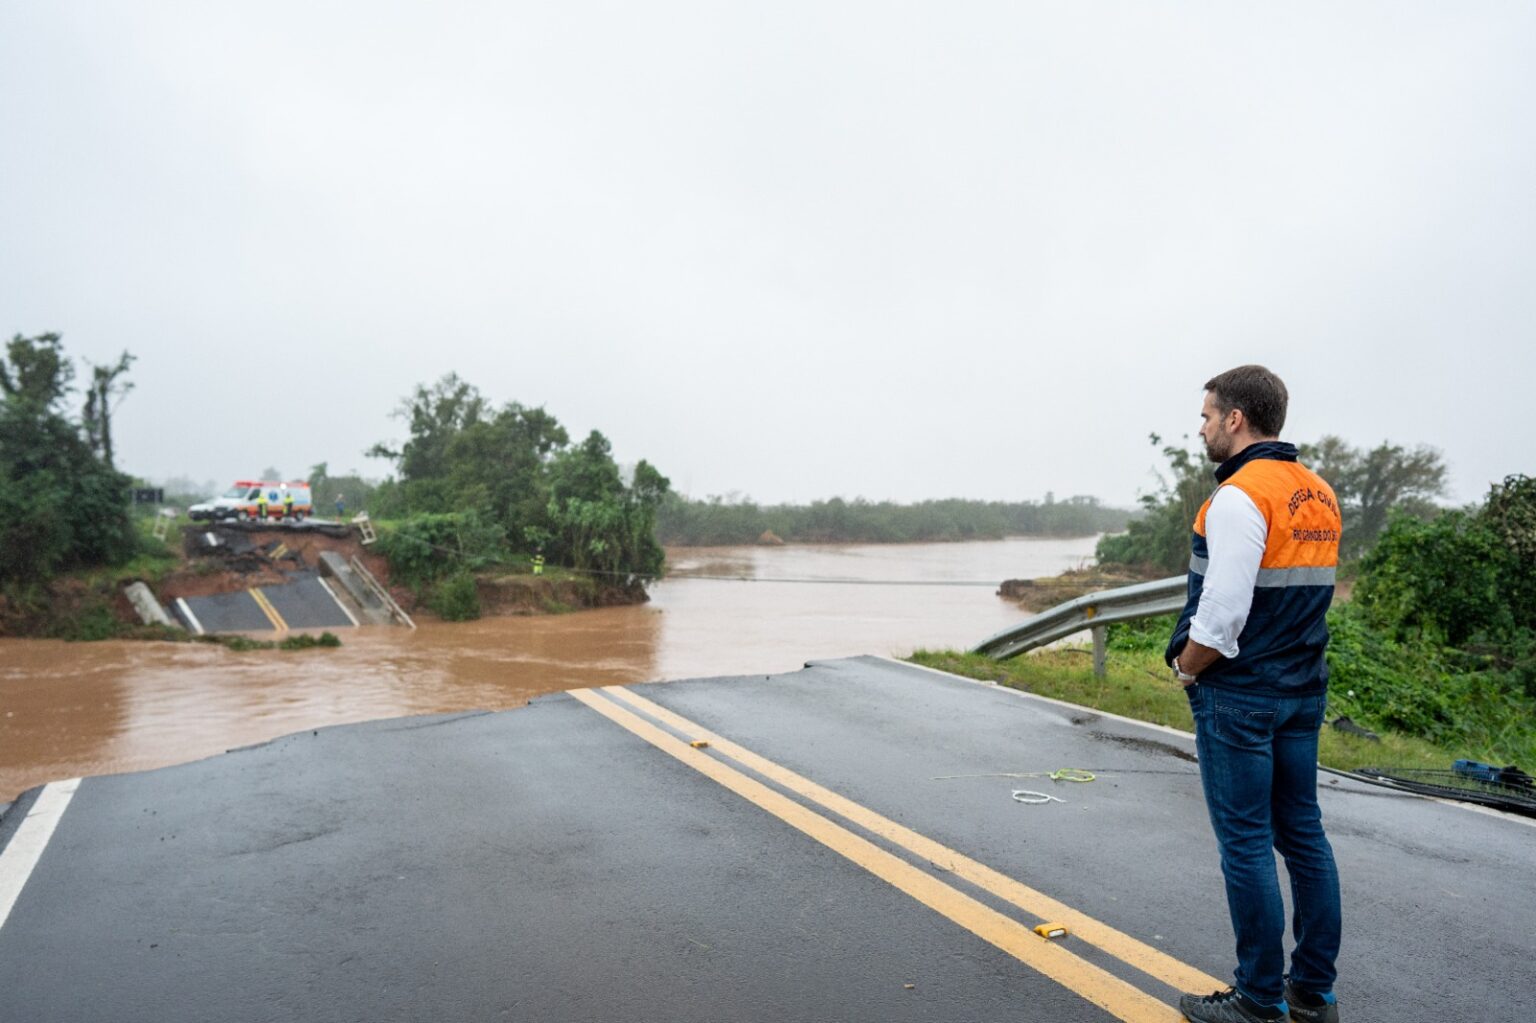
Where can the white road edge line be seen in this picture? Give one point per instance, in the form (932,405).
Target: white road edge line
(1475,808)
(339,604)
(197,626)
(31,838)
(1043,699)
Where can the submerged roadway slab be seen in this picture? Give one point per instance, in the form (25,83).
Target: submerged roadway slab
(305,602)
(839,843)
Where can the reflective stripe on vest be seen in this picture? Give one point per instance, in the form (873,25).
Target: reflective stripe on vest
(1279,576)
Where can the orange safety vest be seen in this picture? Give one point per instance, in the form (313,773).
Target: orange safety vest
(1281,647)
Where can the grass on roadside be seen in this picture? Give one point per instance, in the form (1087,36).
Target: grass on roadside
(1137,686)
(155,559)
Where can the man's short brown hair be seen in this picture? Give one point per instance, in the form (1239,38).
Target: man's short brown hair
(1257,392)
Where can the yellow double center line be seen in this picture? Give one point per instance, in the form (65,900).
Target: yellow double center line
(268,610)
(1091,982)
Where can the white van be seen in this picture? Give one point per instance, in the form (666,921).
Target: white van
(240,501)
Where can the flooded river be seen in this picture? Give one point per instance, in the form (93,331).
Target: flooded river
(73,709)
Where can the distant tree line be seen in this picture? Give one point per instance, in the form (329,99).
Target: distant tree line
(63,505)
(478,484)
(721,521)
(1371,485)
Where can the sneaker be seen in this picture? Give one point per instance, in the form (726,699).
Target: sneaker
(1309,1008)
(1229,1006)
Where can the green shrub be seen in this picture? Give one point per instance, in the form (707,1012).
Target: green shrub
(305,641)
(1465,580)
(239,644)
(1439,578)
(1147,635)
(456,599)
(425,548)
(94,620)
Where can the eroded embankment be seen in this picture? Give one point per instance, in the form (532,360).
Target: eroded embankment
(93,606)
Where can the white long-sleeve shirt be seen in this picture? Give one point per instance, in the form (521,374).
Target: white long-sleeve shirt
(1235,536)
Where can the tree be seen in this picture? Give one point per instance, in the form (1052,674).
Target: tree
(1160,538)
(34,375)
(61,504)
(106,383)
(1372,484)
(515,467)
(435,415)
(597,522)
(498,463)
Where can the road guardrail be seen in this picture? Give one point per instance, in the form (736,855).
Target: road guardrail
(1091,611)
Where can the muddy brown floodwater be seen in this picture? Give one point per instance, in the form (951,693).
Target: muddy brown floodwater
(74,709)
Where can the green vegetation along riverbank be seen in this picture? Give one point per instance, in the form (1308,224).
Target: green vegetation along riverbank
(717,522)
(1137,685)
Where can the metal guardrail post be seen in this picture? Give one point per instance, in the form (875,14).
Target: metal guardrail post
(379,591)
(1100,650)
(1093,611)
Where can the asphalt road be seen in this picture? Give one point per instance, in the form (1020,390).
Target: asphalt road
(302,603)
(824,857)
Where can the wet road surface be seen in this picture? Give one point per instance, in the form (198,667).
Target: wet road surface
(845,847)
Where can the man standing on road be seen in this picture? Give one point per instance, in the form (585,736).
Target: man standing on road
(1248,649)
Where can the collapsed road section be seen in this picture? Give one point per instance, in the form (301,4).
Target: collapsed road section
(303,602)
(838,843)
(250,581)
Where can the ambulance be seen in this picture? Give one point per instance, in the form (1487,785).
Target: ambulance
(240,501)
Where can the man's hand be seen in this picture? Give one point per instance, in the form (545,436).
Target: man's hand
(1195,658)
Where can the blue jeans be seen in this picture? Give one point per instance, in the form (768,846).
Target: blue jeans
(1258,765)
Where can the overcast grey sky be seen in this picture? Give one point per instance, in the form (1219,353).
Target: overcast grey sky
(792,250)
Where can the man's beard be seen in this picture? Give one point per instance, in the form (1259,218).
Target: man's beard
(1221,453)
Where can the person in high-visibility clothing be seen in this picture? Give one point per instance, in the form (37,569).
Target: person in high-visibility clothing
(261,505)
(538,564)
(287,504)
(1249,650)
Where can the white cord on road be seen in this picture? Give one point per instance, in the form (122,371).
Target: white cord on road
(31,838)
(1031,796)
